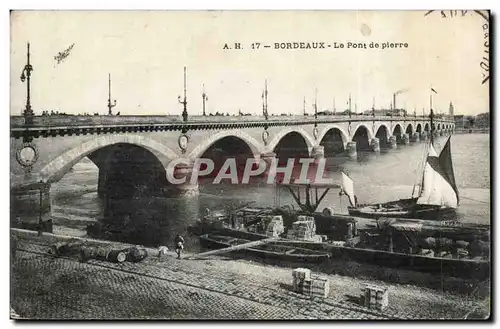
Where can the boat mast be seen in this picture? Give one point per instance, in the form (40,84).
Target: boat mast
(432,125)
(431,115)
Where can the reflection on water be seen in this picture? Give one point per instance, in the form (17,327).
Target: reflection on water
(380,177)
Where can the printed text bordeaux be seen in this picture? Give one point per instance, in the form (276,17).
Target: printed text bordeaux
(317,45)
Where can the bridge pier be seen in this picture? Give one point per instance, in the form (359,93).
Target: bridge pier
(415,137)
(393,142)
(318,152)
(405,139)
(268,159)
(375,144)
(351,148)
(31,205)
(186,189)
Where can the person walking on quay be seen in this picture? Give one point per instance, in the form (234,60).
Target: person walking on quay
(179,245)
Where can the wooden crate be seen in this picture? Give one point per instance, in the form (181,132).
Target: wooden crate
(302,273)
(307,287)
(375,297)
(320,286)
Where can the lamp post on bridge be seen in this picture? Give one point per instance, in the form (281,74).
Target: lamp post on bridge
(26,76)
(316,106)
(205,98)
(110,106)
(184,102)
(373,114)
(264,102)
(350,106)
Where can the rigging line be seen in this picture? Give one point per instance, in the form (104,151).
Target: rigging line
(463,197)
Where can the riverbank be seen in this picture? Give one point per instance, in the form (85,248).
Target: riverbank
(46,287)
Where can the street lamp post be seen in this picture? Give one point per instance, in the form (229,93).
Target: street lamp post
(205,98)
(26,76)
(110,106)
(264,101)
(315,106)
(184,102)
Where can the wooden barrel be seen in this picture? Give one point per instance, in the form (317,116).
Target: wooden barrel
(439,244)
(427,243)
(477,248)
(55,249)
(444,243)
(116,256)
(461,244)
(86,253)
(136,254)
(101,253)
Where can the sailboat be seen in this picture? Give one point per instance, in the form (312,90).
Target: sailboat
(437,199)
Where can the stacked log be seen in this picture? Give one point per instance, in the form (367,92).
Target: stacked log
(65,248)
(102,253)
(136,254)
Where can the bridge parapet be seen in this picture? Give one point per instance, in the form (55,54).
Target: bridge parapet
(133,120)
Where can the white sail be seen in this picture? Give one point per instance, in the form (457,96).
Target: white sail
(436,188)
(347,185)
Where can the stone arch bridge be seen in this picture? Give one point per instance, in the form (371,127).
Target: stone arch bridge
(133,152)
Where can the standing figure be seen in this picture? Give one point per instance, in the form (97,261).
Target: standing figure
(179,245)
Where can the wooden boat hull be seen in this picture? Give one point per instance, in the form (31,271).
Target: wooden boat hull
(404,208)
(460,268)
(268,251)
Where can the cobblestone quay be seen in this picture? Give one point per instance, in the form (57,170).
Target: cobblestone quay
(46,287)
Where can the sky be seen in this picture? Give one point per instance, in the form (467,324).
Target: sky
(145,52)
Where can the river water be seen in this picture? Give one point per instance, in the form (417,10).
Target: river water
(377,178)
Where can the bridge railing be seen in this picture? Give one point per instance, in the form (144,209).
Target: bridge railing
(105,120)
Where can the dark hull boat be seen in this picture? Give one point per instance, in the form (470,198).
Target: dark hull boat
(267,251)
(438,197)
(403,208)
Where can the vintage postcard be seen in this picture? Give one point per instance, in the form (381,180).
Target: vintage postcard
(259,165)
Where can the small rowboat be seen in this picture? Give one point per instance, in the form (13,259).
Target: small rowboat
(268,250)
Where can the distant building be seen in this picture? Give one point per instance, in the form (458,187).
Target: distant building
(482,120)
(451,111)
(386,112)
(459,121)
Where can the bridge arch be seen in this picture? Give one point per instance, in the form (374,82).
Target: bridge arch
(397,130)
(426,127)
(362,136)
(383,134)
(419,128)
(342,132)
(284,132)
(368,130)
(334,139)
(439,126)
(409,129)
(254,145)
(59,166)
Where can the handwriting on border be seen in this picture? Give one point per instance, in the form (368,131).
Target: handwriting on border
(485,60)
